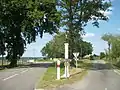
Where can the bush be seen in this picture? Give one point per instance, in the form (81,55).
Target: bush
(102,55)
(91,57)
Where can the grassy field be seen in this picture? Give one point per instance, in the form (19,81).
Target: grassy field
(49,78)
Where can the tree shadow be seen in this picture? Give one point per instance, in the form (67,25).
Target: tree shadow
(36,65)
(100,66)
(96,66)
(81,64)
(30,65)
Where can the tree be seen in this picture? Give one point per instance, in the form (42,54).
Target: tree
(22,20)
(108,38)
(114,46)
(102,55)
(85,48)
(2,46)
(55,47)
(77,13)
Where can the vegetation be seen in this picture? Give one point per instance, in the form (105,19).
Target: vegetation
(102,55)
(55,47)
(49,79)
(96,57)
(113,52)
(22,20)
(91,57)
(75,16)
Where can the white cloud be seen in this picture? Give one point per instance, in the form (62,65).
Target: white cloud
(88,35)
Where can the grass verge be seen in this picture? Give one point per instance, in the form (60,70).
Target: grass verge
(116,66)
(49,79)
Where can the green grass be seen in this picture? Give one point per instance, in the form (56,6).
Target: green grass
(49,78)
(42,60)
(116,65)
(86,64)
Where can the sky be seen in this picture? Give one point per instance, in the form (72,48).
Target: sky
(93,34)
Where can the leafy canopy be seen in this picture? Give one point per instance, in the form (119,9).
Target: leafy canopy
(22,20)
(55,47)
(77,13)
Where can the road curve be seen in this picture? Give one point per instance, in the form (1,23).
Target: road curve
(100,77)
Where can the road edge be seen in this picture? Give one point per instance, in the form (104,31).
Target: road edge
(38,89)
(41,78)
(115,70)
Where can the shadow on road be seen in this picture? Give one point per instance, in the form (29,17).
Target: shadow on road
(100,66)
(41,65)
(93,66)
(96,66)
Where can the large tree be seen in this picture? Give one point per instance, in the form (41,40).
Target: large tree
(113,45)
(2,46)
(108,38)
(77,13)
(85,48)
(22,20)
(102,55)
(55,47)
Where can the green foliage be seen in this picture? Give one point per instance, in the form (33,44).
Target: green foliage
(91,57)
(85,48)
(2,45)
(113,51)
(77,13)
(102,55)
(96,57)
(22,20)
(55,47)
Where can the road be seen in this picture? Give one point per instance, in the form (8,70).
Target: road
(23,78)
(100,77)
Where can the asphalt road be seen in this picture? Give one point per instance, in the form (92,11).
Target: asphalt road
(23,78)
(100,77)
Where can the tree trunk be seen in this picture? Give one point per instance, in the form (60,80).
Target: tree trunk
(13,63)
(2,61)
(109,51)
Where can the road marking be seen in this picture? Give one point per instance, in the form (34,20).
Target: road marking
(24,71)
(106,89)
(10,77)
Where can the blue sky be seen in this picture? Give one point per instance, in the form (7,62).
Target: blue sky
(93,34)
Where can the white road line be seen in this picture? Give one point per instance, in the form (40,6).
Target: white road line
(106,89)
(10,77)
(24,71)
